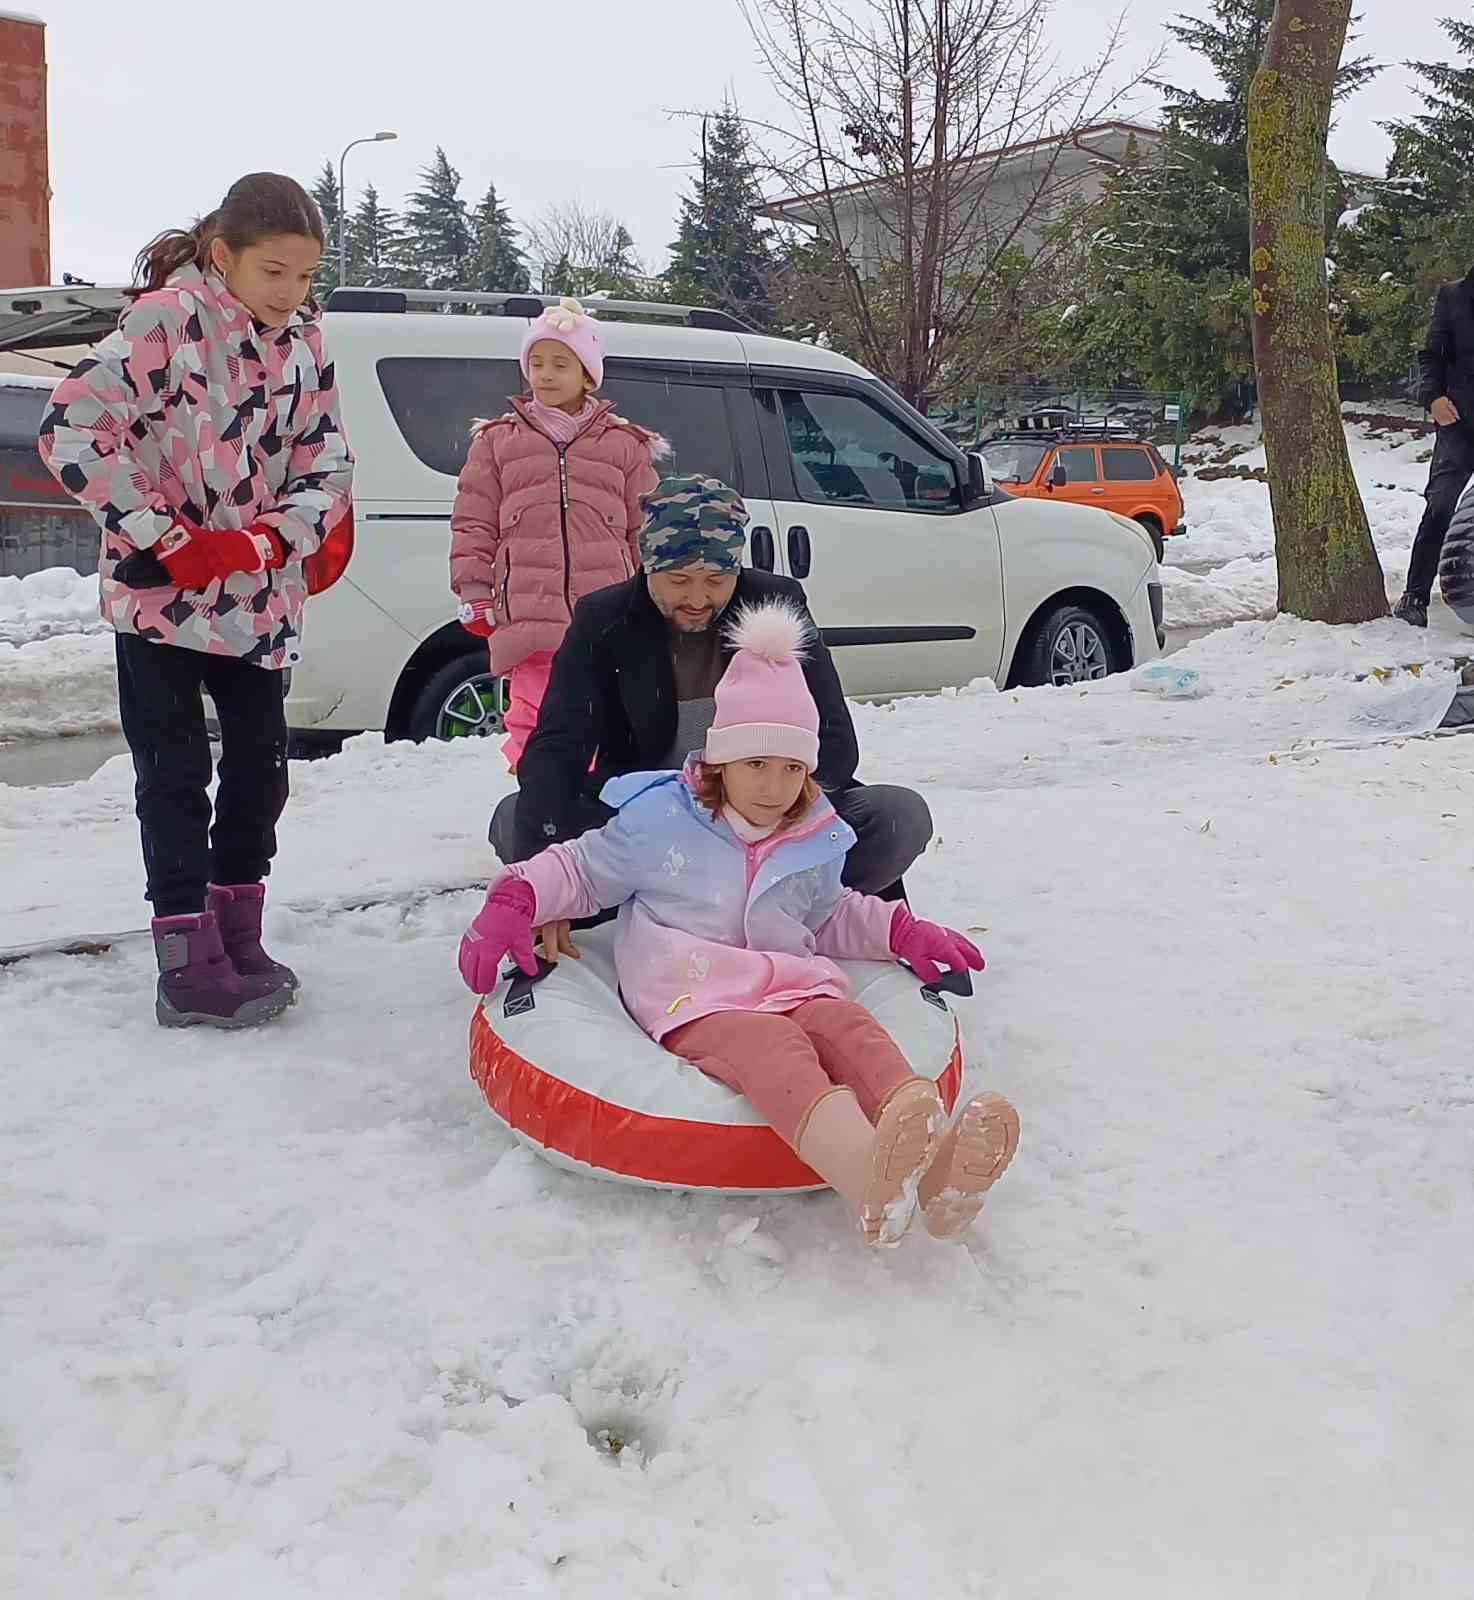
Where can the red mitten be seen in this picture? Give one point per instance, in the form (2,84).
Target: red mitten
(923,944)
(503,925)
(475,617)
(182,554)
(195,557)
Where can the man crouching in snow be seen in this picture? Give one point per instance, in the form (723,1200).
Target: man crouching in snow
(633,689)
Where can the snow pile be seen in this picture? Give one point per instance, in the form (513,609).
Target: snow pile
(42,604)
(64,685)
(288,1316)
(1274,687)
(1224,571)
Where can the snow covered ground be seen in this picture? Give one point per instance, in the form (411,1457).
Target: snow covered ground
(41,605)
(1224,570)
(286,1315)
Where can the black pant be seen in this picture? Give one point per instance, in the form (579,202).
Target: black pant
(892,827)
(1453,466)
(164,722)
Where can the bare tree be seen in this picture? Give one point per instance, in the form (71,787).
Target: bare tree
(904,146)
(1328,568)
(580,250)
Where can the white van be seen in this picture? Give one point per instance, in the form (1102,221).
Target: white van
(918,570)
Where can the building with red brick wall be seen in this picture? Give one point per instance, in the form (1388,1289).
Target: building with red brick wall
(25,185)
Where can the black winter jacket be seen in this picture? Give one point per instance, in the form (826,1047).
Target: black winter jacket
(1446,361)
(611,700)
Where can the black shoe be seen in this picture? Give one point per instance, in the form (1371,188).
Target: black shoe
(1412,611)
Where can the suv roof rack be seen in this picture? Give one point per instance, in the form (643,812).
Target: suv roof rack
(530,306)
(1051,427)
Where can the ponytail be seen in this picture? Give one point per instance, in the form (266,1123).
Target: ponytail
(259,206)
(162,257)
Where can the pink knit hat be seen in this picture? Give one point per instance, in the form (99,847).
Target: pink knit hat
(764,707)
(568,323)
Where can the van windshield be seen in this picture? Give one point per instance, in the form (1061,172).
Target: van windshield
(1014,462)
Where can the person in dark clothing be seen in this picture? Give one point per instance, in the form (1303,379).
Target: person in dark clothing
(1446,388)
(633,689)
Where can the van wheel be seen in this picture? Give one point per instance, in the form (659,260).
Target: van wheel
(464,700)
(1153,527)
(1070,644)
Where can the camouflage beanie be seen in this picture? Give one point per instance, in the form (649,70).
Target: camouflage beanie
(692,520)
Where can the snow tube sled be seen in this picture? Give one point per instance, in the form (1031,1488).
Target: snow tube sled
(575,1078)
(1456,565)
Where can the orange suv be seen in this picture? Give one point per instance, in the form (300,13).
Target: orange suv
(1089,465)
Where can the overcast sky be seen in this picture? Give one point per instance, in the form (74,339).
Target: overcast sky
(157,106)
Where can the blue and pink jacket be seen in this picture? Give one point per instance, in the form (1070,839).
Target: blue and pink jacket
(706,922)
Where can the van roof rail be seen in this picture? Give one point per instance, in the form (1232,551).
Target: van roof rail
(531,305)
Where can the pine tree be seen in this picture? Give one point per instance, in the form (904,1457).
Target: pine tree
(373,237)
(1206,148)
(330,204)
(1432,151)
(721,257)
(1233,45)
(498,262)
(435,244)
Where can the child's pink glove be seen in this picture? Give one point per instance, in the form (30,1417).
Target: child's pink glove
(476,617)
(923,944)
(504,924)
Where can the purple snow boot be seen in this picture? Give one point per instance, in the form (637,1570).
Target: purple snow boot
(198,984)
(238,908)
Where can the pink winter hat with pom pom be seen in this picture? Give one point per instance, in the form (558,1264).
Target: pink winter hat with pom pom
(764,707)
(569,324)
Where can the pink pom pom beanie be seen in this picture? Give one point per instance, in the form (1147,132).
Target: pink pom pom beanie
(567,323)
(764,707)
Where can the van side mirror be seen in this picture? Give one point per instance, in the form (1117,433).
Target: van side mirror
(1058,477)
(979,477)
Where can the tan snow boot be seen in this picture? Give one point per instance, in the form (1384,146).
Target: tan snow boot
(875,1169)
(973,1155)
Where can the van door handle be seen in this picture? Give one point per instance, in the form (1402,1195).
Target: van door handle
(800,553)
(1097,491)
(762,548)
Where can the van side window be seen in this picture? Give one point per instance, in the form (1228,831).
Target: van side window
(1080,463)
(434,400)
(691,417)
(1128,466)
(847,452)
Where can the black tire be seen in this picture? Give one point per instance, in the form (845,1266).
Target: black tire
(463,700)
(1055,642)
(1153,527)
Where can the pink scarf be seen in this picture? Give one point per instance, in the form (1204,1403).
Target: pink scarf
(558,425)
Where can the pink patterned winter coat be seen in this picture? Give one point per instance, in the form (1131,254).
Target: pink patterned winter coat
(192,409)
(535,528)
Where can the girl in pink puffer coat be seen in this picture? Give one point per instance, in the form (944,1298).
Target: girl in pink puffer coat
(548,509)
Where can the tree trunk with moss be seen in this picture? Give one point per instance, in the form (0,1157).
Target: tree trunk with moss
(1328,567)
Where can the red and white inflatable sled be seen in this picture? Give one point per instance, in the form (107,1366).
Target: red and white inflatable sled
(574,1077)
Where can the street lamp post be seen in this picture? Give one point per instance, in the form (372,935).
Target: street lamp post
(373,138)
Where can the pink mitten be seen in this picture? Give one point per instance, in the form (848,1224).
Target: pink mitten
(922,945)
(504,924)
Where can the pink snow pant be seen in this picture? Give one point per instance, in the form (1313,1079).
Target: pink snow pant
(527,683)
(786,1061)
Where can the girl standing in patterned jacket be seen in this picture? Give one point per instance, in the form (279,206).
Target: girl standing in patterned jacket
(204,438)
(547,509)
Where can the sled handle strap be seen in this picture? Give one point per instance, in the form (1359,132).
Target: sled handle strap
(958,982)
(519,996)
